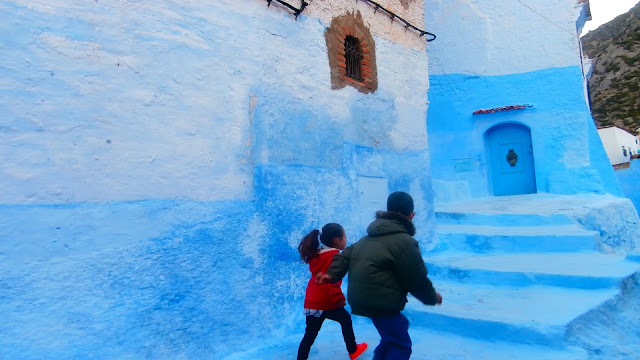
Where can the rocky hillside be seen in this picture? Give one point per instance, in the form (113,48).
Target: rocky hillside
(615,84)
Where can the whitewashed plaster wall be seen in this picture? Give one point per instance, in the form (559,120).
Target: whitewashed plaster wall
(502,37)
(131,100)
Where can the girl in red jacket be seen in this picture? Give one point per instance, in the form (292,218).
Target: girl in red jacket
(325,301)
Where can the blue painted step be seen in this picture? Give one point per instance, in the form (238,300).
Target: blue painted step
(541,238)
(528,315)
(460,217)
(633,257)
(571,270)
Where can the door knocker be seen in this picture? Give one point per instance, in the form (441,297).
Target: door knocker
(512,158)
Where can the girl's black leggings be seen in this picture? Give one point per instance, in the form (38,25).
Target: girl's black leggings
(315,323)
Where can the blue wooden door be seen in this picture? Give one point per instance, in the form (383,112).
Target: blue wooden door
(511,163)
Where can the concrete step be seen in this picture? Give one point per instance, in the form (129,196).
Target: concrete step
(541,238)
(572,270)
(461,217)
(529,315)
(635,256)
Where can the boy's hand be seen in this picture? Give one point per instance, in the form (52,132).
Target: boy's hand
(439,298)
(341,303)
(323,278)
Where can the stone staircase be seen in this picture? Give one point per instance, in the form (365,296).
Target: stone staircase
(519,277)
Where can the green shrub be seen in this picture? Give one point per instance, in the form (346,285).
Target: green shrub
(612,68)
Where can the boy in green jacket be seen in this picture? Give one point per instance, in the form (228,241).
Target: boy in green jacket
(383,267)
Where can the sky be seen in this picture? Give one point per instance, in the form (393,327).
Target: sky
(603,11)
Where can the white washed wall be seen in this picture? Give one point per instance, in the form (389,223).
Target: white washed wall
(502,37)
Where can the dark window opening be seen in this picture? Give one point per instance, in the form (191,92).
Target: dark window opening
(624,151)
(353,56)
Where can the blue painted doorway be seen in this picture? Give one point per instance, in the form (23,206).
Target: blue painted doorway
(511,165)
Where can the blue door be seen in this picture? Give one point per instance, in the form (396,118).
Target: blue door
(511,164)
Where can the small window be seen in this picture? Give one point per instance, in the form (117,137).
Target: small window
(353,56)
(624,151)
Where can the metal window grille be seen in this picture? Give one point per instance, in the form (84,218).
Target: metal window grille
(353,56)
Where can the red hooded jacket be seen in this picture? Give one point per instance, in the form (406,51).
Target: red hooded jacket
(323,296)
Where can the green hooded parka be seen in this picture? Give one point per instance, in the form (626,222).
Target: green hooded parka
(383,267)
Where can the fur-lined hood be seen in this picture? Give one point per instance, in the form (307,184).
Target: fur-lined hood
(388,222)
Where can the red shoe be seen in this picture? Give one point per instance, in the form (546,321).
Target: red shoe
(360,348)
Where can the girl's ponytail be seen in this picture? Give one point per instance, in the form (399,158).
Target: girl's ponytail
(308,247)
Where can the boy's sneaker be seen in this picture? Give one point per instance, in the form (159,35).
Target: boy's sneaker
(360,348)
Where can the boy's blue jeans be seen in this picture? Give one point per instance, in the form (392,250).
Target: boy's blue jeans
(395,343)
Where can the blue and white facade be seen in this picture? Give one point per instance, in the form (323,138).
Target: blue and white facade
(161,161)
(495,56)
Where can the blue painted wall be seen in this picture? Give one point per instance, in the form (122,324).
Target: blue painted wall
(161,161)
(568,159)
(153,279)
(629,180)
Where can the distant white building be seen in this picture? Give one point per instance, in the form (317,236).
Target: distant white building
(619,145)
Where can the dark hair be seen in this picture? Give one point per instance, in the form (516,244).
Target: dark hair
(400,202)
(308,247)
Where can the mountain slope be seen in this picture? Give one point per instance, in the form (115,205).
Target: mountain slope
(614,86)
